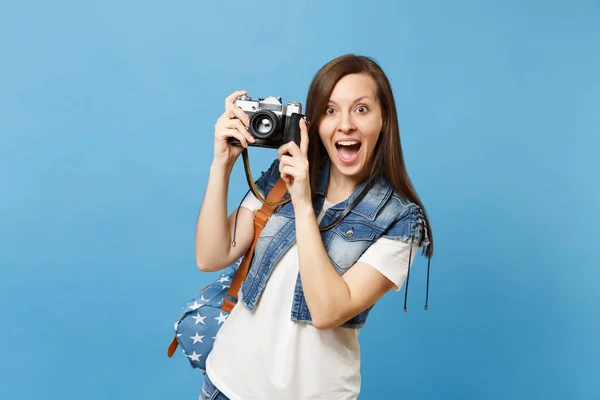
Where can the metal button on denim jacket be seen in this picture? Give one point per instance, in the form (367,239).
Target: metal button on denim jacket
(382,212)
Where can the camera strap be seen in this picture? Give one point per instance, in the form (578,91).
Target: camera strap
(349,207)
(253,186)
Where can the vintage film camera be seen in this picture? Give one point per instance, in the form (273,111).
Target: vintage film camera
(271,122)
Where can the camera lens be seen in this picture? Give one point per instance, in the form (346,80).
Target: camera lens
(263,124)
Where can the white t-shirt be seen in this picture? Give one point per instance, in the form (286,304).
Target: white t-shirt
(263,354)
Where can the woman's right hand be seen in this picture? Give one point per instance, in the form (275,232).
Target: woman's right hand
(231,124)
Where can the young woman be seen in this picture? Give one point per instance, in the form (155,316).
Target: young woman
(294,332)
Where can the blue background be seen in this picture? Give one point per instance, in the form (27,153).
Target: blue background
(107,112)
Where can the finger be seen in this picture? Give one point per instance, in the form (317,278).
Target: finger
(285,160)
(293,149)
(298,163)
(291,171)
(233,133)
(285,176)
(283,150)
(244,131)
(290,148)
(238,113)
(287,179)
(303,137)
(232,97)
(239,125)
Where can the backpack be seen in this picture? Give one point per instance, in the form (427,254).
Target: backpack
(203,315)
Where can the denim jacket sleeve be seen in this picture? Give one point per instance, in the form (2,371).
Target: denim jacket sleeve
(409,226)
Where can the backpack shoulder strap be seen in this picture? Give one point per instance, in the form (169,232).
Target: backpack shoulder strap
(260,220)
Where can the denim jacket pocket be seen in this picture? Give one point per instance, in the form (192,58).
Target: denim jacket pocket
(352,230)
(348,240)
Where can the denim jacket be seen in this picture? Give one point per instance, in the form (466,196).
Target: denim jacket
(381,213)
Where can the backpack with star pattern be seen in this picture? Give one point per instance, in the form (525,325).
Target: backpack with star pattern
(202,316)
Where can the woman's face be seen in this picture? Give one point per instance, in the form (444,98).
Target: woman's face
(351,125)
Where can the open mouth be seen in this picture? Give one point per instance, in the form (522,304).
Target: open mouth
(348,150)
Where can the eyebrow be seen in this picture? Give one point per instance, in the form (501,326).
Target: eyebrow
(355,101)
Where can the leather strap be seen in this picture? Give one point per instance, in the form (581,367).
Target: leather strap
(260,220)
(172,347)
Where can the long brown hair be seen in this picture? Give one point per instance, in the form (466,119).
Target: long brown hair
(389,161)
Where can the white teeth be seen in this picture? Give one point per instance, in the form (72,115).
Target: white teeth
(348,143)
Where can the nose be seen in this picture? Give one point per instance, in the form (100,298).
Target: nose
(346,124)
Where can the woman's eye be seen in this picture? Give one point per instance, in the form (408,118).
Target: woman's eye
(361,109)
(329,111)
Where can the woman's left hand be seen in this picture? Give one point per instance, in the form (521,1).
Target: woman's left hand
(293,167)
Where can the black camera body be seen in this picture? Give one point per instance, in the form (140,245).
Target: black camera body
(272,123)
